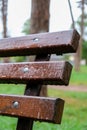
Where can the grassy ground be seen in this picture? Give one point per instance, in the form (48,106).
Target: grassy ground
(75,111)
(74,116)
(8,123)
(79,78)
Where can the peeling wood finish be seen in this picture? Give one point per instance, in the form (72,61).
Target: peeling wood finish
(37,108)
(40,72)
(43,43)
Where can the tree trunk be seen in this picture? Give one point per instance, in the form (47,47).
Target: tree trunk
(40,23)
(78,55)
(4,17)
(40,16)
(4,23)
(71,13)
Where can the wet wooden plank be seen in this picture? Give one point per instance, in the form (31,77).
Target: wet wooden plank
(38,108)
(43,43)
(39,72)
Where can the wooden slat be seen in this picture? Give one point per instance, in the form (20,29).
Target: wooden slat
(45,43)
(40,72)
(38,108)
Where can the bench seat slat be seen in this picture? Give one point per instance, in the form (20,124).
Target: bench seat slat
(45,43)
(40,72)
(38,108)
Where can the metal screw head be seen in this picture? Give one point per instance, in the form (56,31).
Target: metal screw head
(35,39)
(25,70)
(15,104)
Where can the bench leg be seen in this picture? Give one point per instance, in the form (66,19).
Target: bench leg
(25,124)
(32,89)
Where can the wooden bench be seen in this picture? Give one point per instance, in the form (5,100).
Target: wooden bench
(31,106)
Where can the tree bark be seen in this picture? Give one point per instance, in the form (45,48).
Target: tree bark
(40,23)
(4,17)
(4,6)
(40,16)
(78,55)
(71,13)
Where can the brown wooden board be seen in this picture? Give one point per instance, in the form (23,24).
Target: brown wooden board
(40,72)
(38,108)
(43,43)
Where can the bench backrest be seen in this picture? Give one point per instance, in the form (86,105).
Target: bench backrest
(37,44)
(35,74)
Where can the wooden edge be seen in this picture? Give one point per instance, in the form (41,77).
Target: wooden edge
(40,72)
(75,40)
(43,43)
(37,108)
(59,111)
(67,72)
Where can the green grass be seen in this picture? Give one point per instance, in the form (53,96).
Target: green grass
(75,110)
(11,89)
(79,78)
(74,116)
(8,123)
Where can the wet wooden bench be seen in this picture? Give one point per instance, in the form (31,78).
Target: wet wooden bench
(31,106)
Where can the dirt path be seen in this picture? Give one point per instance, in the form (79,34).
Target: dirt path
(70,88)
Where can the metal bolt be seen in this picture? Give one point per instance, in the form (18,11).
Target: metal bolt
(25,70)
(15,104)
(35,39)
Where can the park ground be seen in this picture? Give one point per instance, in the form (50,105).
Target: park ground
(80,88)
